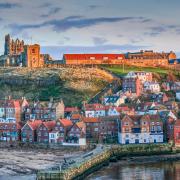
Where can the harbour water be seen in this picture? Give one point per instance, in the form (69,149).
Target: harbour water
(150,171)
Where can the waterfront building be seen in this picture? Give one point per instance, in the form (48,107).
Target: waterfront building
(77,132)
(141,129)
(29,131)
(60,130)
(43,131)
(9,132)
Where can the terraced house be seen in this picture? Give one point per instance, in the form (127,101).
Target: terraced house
(141,129)
(9,132)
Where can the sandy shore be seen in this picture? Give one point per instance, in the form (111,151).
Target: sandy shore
(22,162)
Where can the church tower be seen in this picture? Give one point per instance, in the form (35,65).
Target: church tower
(7,45)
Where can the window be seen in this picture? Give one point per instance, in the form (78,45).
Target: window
(158,128)
(33,51)
(126,123)
(152,128)
(92,58)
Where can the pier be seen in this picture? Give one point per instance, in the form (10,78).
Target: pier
(82,166)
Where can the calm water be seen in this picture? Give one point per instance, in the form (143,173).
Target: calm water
(154,171)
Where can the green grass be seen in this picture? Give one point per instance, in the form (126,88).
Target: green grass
(120,71)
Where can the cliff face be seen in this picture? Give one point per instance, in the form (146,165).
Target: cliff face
(73,85)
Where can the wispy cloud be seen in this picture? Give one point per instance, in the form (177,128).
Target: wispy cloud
(52,11)
(99,40)
(8,5)
(93,6)
(70,22)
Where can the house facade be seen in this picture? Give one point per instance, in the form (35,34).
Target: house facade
(141,129)
(9,132)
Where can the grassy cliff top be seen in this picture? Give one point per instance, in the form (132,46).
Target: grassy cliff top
(73,85)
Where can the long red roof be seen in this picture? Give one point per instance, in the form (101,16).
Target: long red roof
(95,56)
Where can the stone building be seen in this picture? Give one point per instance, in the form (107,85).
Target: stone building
(31,56)
(13,47)
(149,58)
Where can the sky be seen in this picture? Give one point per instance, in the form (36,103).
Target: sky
(92,26)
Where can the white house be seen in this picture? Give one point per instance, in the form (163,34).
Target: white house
(141,129)
(113,111)
(95,110)
(142,75)
(153,87)
(114,100)
(53,136)
(178,96)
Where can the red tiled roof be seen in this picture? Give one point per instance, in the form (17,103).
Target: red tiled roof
(75,116)
(95,56)
(66,122)
(92,107)
(34,124)
(91,120)
(80,124)
(49,124)
(71,109)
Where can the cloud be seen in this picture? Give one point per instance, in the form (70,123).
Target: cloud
(9,5)
(157,30)
(60,25)
(52,11)
(93,7)
(44,5)
(99,40)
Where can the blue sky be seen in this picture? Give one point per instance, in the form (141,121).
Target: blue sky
(93,26)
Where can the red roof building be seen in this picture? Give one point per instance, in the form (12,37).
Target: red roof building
(93,58)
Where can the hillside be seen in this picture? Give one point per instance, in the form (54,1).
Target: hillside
(73,85)
(161,72)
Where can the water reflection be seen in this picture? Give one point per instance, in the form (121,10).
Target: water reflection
(154,171)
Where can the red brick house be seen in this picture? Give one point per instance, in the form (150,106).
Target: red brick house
(29,131)
(132,84)
(92,128)
(108,131)
(177,133)
(9,132)
(59,132)
(43,131)
(75,117)
(78,130)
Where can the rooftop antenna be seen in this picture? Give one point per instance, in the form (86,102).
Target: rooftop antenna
(31,40)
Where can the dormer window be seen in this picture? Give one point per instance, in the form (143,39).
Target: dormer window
(105,58)
(119,58)
(92,58)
